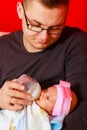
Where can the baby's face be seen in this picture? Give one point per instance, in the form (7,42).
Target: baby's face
(47,99)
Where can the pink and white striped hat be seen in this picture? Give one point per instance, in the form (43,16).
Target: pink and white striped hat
(64,97)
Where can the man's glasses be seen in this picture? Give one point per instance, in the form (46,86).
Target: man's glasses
(54,30)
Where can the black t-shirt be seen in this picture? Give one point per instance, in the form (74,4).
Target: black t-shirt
(64,60)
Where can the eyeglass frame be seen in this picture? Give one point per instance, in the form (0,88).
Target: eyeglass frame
(48,29)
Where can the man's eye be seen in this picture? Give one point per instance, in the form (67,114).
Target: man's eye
(35,24)
(56,27)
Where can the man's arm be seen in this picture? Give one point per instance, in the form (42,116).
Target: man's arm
(76,73)
(3,33)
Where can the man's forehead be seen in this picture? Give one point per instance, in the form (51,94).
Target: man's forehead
(46,16)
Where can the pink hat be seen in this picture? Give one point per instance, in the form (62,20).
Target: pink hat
(64,97)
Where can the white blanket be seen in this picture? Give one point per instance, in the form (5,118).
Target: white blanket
(31,117)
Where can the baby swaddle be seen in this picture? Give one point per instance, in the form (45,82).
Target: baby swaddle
(31,117)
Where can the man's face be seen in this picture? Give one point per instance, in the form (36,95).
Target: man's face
(47,99)
(40,16)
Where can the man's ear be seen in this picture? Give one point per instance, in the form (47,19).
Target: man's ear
(20,10)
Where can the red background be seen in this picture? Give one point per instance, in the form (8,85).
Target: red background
(9,20)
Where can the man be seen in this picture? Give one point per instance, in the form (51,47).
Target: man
(47,51)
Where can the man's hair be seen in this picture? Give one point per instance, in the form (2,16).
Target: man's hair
(50,3)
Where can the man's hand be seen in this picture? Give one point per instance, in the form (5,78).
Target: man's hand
(13,96)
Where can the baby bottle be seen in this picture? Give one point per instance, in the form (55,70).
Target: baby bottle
(32,86)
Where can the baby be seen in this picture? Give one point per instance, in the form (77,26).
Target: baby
(58,100)
(47,111)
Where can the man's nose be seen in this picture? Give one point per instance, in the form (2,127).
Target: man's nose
(44,35)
